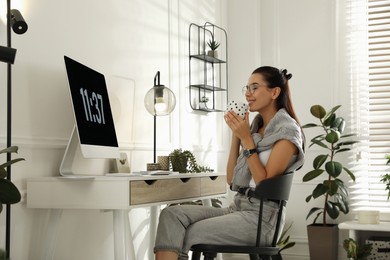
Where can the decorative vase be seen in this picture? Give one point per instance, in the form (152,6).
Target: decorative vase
(164,162)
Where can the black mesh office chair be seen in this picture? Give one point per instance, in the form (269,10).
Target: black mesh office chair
(276,189)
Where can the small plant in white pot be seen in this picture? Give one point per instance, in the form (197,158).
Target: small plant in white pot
(213,46)
(203,102)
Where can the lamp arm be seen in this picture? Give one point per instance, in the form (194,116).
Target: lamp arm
(157,77)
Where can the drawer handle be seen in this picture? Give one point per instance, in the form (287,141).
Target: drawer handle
(150,182)
(185,179)
(213,177)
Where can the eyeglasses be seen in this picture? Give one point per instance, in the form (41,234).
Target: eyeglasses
(251,88)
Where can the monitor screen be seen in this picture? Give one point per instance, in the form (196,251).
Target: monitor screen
(92,110)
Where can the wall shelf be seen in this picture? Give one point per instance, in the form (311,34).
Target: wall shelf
(207,58)
(208,77)
(208,87)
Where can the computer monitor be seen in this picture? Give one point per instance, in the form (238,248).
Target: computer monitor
(92,111)
(93,140)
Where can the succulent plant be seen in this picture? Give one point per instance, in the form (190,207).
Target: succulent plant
(213,44)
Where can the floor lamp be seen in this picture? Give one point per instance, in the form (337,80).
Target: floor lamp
(159,101)
(15,21)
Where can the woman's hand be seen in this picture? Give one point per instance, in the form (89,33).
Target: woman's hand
(240,127)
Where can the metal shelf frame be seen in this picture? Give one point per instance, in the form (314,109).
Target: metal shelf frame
(211,66)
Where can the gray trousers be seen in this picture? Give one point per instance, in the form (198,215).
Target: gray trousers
(182,226)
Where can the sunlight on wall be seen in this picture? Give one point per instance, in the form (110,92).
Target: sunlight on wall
(16,4)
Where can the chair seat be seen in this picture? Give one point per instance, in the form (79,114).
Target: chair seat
(265,251)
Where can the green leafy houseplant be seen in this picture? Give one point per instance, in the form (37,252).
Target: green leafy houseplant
(184,161)
(9,193)
(213,44)
(284,242)
(356,252)
(333,141)
(386,178)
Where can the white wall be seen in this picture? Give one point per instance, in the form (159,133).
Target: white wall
(128,41)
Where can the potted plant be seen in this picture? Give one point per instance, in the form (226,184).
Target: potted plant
(386,178)
(330,188)
(356,252)
(9,193)
(184,161)
(213,46)
(283,242)
(203,102)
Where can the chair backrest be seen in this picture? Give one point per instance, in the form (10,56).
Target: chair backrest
(278,189)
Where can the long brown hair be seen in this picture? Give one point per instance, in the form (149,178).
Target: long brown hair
(279,78)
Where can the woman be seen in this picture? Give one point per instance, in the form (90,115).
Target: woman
(276,137)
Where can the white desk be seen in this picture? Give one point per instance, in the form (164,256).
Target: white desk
(119,194)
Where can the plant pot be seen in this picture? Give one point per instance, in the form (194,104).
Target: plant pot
(212,54)
(277,257)
(323,241)
(179,164)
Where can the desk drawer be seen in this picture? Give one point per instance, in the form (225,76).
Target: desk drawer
(213,185)
(163,190)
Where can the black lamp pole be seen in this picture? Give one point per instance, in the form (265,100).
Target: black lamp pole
(156,84)
(9,137)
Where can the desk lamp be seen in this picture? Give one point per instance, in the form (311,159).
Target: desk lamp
(159,101)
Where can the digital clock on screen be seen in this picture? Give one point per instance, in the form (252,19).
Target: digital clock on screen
(91,105)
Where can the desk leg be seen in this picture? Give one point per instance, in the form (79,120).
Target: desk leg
(154,214)
(123,242)
(50,239)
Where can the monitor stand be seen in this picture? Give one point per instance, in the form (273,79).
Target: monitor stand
(74,165)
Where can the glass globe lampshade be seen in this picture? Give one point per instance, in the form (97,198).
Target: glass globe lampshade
(160,101)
